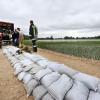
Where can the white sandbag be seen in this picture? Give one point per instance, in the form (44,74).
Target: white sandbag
(78,92)
(17,65)
(62,69)
(39,92)
(28,55)
(30,86)
(27,68)
(18,56)
(26,62)
(42,73)
(47,97)
(35,59)
(94,95)
(18,69)
(10,57)
(42,62)
(35,65)
(21,57)
(98,88)
(35,70)
(14,61)
(90,81)
(50,78)
(59,88)
(13,64)
(27,78)
(21,75)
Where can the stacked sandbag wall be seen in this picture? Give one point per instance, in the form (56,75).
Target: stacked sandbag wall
(48,80)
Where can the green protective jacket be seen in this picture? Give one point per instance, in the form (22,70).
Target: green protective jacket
(33,31)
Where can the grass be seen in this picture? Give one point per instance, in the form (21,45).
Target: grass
(27,42)
(84,49)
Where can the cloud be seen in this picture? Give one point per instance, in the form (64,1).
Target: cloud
(54,15)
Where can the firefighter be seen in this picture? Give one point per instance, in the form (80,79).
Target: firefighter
(33,32)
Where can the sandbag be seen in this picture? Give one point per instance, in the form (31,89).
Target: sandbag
(62,69)
(35,59)
(94,95)
(42,62)
(14,60)
(39,92)
(28,55)
(27,68)
(78,92)
(47,97)
(35,70)
(98,88)
(21,57)
(11,58)
(90,81)
(13,63)
(50,78)
(59,88)
(18,56)
(18,69)
(32,57)
(30,86)
(26,62)
(21,75)
(17,65)
(27,78)
(35,65)
(42,73)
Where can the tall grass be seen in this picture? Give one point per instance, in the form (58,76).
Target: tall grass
(84,49)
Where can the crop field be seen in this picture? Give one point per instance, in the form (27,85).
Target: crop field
(81,48)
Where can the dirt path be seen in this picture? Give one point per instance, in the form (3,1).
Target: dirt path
(84,65)
(10,87)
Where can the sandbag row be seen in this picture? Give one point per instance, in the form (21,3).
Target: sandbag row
(48,80)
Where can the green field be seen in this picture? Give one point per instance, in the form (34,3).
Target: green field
(81,48)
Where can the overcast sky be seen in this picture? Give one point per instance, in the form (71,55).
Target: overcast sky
(54,17)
